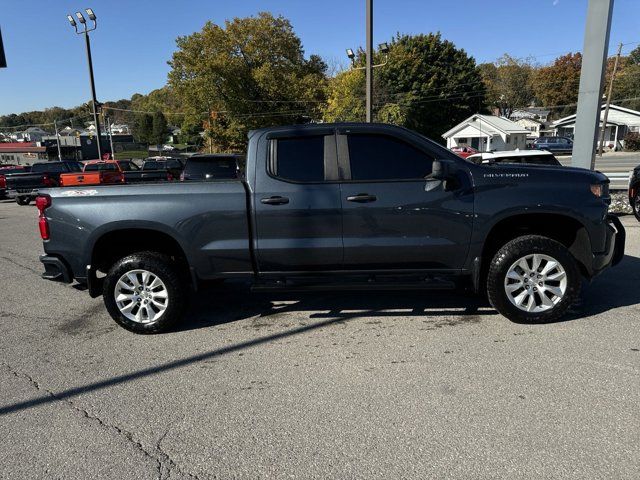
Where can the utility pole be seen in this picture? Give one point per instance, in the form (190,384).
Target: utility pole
(369,61)
(107,125)
(55,125)
(594,59)
(606,109)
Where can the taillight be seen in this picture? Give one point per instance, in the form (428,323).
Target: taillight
(42,203)
(48,182)
(169,177)
(182,176)
(3,181)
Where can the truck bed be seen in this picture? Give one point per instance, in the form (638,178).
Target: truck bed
(208,219)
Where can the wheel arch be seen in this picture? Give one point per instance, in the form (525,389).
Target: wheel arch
(563,228)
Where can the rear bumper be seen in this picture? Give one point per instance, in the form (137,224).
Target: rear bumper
(615,243)
(55,269)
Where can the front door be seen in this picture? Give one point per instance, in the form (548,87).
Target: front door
(394,215)
(297,204)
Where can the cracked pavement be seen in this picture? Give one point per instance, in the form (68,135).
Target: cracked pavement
(351,385)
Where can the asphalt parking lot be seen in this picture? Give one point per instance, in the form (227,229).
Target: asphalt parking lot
(416,385)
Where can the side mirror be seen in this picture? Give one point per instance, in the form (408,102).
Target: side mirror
(442,169)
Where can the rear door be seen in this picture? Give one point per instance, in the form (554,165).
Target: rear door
(297,203)
(394,216)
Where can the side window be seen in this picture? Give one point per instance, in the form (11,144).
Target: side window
(299,159)
(380,157)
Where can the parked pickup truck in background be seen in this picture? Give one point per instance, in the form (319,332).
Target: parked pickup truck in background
(97,172)
(358,206)
(172,166)
(9,170)
(25,186)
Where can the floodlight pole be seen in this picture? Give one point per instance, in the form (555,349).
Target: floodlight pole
(606,109)
(594,60)
(96,118)
(369,61)
(55,125)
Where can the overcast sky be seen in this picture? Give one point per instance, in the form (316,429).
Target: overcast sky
(135,39)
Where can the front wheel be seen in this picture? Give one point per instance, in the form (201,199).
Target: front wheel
(636,206)
(145,293)
(533,279)
(23,200)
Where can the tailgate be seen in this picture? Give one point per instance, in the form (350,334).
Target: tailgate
(73,179)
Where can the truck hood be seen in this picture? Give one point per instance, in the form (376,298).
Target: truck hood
(549,173)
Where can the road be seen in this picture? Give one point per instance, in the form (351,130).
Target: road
(420,385)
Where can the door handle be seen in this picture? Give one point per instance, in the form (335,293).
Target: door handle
(362,198)
(277,200)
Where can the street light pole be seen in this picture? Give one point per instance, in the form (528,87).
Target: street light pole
(94,100)
(369,61)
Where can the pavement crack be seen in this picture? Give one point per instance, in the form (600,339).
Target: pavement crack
(164,464)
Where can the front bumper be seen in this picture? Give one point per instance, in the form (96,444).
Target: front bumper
(615,243)
(55,269)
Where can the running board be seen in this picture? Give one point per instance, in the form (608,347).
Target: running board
(292,286)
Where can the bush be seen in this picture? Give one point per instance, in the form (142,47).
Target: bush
(632,142)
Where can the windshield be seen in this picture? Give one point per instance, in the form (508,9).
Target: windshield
(213,167)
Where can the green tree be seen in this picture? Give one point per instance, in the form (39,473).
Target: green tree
(427,85)
(143,130)
(509,84)
(558,83)
(248,73)
(159,129)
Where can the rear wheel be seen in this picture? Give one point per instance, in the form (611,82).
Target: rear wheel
(23,200)
(145,293)
(533,279)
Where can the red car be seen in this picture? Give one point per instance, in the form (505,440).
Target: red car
(464,152)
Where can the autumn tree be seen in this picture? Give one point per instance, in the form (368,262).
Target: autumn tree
(248,73)
(143,128)
(427,85)
(509,84)
(558,83)
(159,129)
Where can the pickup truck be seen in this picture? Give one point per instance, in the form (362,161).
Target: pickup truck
(338,206)
(9,170)
(95,172)
(25,186)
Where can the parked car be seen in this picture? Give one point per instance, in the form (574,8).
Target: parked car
(8,170)
(172,166)
(25,186)
(531,157)
(634,191)
(203,167)
(343,206)
(559,145)
(464,152)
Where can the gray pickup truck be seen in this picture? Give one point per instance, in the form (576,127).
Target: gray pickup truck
(358,206)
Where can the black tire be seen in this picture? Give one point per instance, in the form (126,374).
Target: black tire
(512,252)
(23,200)
(635,204)
(166,270)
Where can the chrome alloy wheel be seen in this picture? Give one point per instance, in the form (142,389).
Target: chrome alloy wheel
(141,296)
(535,283)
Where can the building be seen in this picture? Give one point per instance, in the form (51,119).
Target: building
(534,113)
(487,133)
(31,134)
(619,122)
(22,153)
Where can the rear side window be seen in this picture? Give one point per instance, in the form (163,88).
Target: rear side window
(380,157)
(150,165)
(212,168)
(299,159)
(128,166)
(101,167)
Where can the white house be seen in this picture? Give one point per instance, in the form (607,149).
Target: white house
(487,133)
(535,113)
(619,122)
